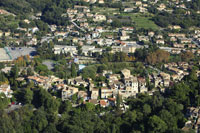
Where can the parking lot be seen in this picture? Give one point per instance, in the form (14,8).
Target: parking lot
(3,55)
(21,51)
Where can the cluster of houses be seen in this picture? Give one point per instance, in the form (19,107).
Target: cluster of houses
(45,82)
(174,43)
(193,115)
(88,50)
(86,29)
(125,85)
(179,69)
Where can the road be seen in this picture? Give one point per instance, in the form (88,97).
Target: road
(195,42)
(156,69)
(77,26)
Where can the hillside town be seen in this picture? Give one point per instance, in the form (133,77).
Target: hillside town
(106,57)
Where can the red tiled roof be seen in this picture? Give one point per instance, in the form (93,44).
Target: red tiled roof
(102,102)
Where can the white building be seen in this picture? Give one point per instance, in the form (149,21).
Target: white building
(6,90)
(58,49)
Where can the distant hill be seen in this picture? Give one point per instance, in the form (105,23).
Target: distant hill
(51,9)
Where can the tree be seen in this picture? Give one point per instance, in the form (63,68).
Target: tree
(2,77)
(116,23)
(159,56)
(180,93)
(1,65)
(89,106)
(147,109)
(28,96)
(101,68)
(187,56)
(14,72)
(169,119)
(79,50)
(156,124)
(119,100)
(51,128)
(39,120)
(89,72)
(4,101)
(30,72)
(73,70)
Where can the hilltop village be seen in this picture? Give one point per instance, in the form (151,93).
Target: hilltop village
(107,57)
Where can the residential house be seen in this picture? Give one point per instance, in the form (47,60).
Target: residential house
(78,81)
(42,81)
(151,33)
(175,27)
(128,29)
(5,89)
(126,48)
(191,45)
(142,85)
(185,40)
(176,45)
(128,9)
(68,92)
(99,18)
(173,39)
(161,7)
(93,1)
(126,73)
(88,50)
(58,49)
(142,9)
(179,35)
(103,103)
(101,1)
(7,34)
(99,29)
(176,70)
(143,38)
(160,42)
(83,95)
(106,72)
(60,33)
(159,37)
(94,93)
(138,3)
(131,84)
(124,37)
(95,34)
(60,87)
(106,92)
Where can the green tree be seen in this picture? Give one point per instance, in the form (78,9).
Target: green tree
(39,120)
(30,72)
(119,100)
(14,72)
(169,119)
(73,70)
(156,124)
(1,65)
(28,96)
(146,109)
(89,106)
